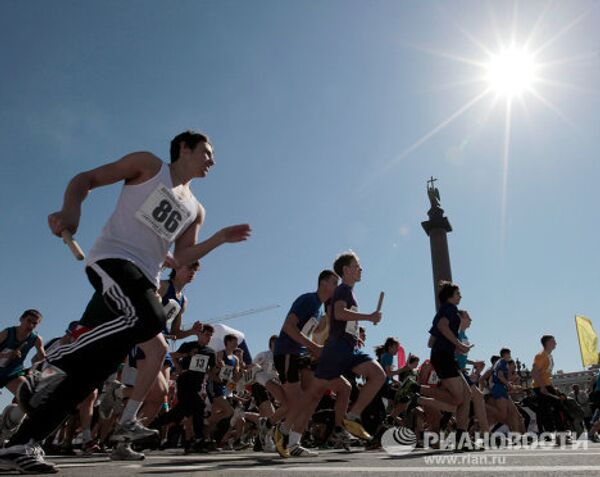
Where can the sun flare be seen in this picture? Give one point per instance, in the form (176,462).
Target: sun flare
(511,72)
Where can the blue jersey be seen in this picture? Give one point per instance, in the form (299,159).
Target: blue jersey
(305,307)
(9,367)
(461,359)
(385,361)
(343,330)
(500,368)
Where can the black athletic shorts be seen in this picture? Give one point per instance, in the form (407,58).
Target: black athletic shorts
(444,364)
(288,366)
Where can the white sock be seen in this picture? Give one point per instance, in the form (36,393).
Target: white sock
(352,416)
(86,434)
(130,411)
(294,439)
(283,427)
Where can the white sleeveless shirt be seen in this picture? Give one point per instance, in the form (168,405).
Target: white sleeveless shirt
(148,218)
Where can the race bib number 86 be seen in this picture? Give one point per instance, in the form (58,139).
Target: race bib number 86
(163,213)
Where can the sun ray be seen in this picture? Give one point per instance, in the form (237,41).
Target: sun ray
(536,25)
(546,102)
(513,30)
(561,32)
(454,84)
(419,142)
(567,86)
(581,59)
(505,160)
(443,54)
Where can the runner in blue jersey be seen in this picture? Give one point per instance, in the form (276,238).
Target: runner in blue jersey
(341,352)
(291,357)
(15,344)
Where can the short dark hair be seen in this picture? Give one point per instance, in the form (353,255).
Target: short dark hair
(190,138)
(326,274)
(342,261)
(446,290)
(173,272)
(273,337)
(229,338)
(504,351)
(413,359)
(545,339)
(31,312)
(208,327)
(494,359)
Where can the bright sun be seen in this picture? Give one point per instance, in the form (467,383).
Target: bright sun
(511,72)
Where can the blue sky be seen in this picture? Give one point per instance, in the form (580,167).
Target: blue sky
(310,106)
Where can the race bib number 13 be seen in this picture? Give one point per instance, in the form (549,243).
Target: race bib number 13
(199,362)
(163,213)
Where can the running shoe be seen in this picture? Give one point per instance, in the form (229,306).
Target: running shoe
(281,441)
(354,426)
(26,459)
(123,451)
(132,431)
(38,386)
(299,451)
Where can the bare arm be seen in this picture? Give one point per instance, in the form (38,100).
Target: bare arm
(3,338)
(443,327)
(290,326)
(41,352)
(188,251)
(133,168)
(344,314)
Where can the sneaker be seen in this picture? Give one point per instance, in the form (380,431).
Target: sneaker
(299,451)
(342,436)
(109,400)
(132,431)
(38,386)
(90,448)
(595,438)
(354,426)
(123,451)
(27,459)
(281,441)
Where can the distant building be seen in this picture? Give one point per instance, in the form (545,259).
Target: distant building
(563,381)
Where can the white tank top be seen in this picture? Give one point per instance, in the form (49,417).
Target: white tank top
(148,218)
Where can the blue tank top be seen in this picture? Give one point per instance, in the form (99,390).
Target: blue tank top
(10,367)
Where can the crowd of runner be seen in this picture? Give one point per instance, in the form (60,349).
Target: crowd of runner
(129,377)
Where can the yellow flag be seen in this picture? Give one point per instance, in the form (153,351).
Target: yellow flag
(588,340)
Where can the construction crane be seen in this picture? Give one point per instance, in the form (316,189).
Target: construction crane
(251,311)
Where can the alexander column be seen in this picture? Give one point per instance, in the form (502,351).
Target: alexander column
(437,228)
